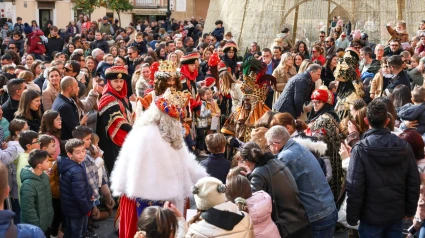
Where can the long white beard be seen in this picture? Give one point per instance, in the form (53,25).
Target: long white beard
(170,128)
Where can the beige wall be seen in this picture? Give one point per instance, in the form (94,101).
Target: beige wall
(201,8)
(98,13)
(187,15)
(62,13)
(29,13)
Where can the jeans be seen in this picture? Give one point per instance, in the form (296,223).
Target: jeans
(17,209)
(324,228)
(421,232)
(392,229)
(75,227)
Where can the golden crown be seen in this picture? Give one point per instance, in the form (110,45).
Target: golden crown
(250,88)
(167,66)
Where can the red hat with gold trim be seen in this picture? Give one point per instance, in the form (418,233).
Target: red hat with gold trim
(173,103)
(190,58)
(222,67)
(323,94)
(230,46)
(116,72)
(209,80)
(213,60)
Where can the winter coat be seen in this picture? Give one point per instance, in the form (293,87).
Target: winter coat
(72,31)
(290,213)
(106,28)
(260,210)
(382,180)
(23,230)
(53,44)
(101,44)
(416,77)
(327,76)
(412,112)
(9,108)
(217,166)
(34,123)
(400,78)
(420,211)
(204,229)
(75,192)
(36,199)
(69,113)
(342,43)
(218,33)
(377,85)
(402,37)
(8,157)
(35,44)
(20,163)
(101,68)
(296,92)
(48,97)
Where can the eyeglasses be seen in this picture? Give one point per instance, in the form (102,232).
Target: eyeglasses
(12,48)
(321,36)
(122,42)
(130,53)
(268,146)
(393,45)
(35,142)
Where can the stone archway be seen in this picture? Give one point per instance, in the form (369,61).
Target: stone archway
(346,13)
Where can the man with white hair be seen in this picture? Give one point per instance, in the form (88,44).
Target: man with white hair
(315,193)
(97,55)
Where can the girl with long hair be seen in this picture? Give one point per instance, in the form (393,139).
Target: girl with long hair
(298,59)
(301,48)
(258,205)
(51,124)
(29,109)
(327,74)
(72,28)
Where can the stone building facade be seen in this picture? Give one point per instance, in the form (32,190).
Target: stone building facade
(261,21)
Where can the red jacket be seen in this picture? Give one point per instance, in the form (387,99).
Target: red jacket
(35,45)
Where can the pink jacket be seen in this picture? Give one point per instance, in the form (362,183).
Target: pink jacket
(260,210)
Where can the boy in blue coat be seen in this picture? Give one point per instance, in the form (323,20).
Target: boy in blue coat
(75,193)
(216,164)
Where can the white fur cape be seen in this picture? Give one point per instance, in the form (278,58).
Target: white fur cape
(149,168)
(318,147)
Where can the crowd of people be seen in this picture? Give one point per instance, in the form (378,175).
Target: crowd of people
(291,142)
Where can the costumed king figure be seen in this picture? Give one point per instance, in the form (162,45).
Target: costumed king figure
(154,164)
(349,85)
(255,87)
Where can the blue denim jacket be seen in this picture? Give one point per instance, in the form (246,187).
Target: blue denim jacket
(315,193)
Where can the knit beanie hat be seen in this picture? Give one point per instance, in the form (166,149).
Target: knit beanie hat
(27,29)
(209,192)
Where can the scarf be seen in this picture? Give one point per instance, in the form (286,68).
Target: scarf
(327,108)
(105,100)
(186,72)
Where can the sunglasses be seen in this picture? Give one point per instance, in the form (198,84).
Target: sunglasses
(35,142)
(394,45)
(68,69)
(130,53)
(12,48)
(321,36)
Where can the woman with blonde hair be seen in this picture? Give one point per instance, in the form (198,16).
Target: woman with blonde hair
(283,72)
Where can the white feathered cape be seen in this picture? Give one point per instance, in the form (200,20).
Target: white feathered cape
(149,168)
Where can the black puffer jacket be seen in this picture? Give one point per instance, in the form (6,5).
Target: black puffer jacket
(74,188)
(383,179)
(296,92)
(270,172)
(101,44)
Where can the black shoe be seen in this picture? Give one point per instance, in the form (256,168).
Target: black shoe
(90,228)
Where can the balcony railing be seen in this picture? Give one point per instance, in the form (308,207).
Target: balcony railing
(150,4)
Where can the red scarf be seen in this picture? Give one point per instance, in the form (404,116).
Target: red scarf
(186,72)
(106,97)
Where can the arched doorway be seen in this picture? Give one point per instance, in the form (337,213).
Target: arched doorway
(307,18)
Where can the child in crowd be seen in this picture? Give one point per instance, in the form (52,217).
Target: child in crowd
(202,116)
(4,124)
(216,164)
(75,193)
(84,133)
(140,43)
(36,197)
(16,126)
(6,216)
(414,112)
(214,109)
(399,33)
(95,150)
(257,205)
(108,61)
(48,144)
(169,218)
(224,220)
(29,141)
